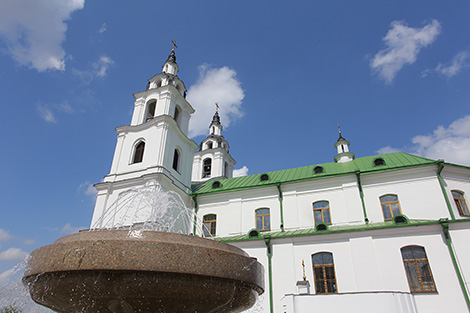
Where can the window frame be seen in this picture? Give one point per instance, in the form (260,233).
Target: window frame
(139,150)
(416,272)
(319,281)
(212,228)
(322,209)
(263,219)
(389,205)
(459,201)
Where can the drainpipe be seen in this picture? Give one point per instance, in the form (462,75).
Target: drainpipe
(278,185)
(267,241)
(195,214)
(445,228)
(440,167)
(359,185)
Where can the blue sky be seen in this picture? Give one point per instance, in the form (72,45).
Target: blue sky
(394,74)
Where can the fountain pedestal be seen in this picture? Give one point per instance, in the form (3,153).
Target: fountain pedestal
(108,271)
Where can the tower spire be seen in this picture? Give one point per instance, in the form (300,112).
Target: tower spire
(170,66)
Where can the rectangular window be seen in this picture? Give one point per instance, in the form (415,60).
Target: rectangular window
(321,212)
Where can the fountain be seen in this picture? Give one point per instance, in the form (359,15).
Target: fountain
(146,262)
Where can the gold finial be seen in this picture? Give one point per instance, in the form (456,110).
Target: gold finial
(339,130)
(217,107)
(303,265)
(174,45)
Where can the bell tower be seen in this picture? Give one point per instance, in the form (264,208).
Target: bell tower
(342,145)
(213,159)
(155,146)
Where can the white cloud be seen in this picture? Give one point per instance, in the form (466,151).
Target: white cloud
(28,241)
(214,85)
(5,235)
(240,172)
(47,111)
(69,229)
(459,61)
(34,31)
(12,254)
(103,28)
(451,144)
(88,189)
(403,45)
(99,69)
(387,149)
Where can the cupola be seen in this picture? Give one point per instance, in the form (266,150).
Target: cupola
(342,145)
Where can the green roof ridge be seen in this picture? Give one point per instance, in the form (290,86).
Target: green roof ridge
(393,161)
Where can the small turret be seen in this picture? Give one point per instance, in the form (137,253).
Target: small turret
(342,145)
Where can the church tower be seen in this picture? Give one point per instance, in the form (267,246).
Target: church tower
(213,159)
(155,146)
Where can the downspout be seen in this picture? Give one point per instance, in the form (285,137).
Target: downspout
(267,241)
(361,193)
(440,167)
(445,229)
(195,214)
(278,185)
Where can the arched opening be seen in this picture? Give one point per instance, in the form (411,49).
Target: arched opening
(177,115)
(206,168)
(209,145)
(176,160)
(226,169)
(417,269)
(150,110)
(390,206)
(263,219)
(459,199)
(321,212)
(318,170)
(264,177)
(139,152)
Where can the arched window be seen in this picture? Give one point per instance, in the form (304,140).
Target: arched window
(263,220)
(390,206)
(150,110)
(324,273)
(177,115)
(159,84)
(226,169)
(176,159)
(206,168)
(417,269)
(321,212)
(209,145)
(209,224)
(318,170)
(139,152)
(460,202)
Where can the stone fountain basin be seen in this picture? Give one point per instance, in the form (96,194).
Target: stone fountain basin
(110,271)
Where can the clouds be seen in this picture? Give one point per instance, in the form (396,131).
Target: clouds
(88,189)
(240,172)
(34,30)
(12,254)
(47,111)
(451,144)
(460,61)
(214,85)
(5,235)
(99,69)
(403,45)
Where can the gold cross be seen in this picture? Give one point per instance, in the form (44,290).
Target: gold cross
(339,130)
(217,107)
(303,265)
(174,45)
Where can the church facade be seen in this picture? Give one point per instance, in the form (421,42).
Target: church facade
(383,233)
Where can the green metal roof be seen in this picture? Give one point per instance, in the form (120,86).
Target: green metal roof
(393,161)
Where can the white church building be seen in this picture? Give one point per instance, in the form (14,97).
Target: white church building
(384,233)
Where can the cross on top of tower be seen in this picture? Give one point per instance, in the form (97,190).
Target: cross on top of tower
(174,45)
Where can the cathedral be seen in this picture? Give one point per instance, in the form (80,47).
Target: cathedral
(384,233)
